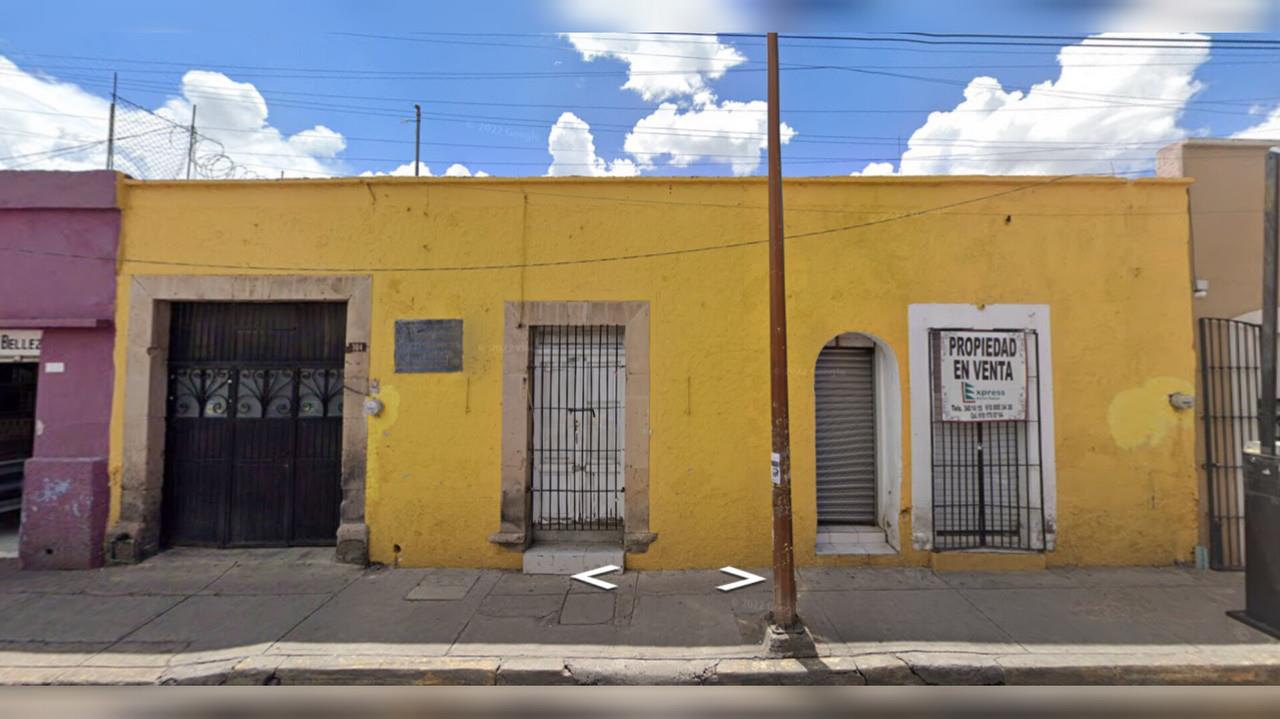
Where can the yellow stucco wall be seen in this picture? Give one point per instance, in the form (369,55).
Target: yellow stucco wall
(1110,257)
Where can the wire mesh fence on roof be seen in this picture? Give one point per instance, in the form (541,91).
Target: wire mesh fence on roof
(151,146)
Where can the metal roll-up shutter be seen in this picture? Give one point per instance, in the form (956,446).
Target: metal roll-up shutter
(844,389)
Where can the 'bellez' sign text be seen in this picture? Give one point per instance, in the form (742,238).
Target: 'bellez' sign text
(983,376)
(19,343)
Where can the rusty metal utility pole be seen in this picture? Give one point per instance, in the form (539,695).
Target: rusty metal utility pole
(784,578)
(111,124)
(417,138)
(191,142)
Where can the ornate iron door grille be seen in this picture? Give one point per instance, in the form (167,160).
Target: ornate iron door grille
(1230,377)
(987,484)
(254,431)
(578,376)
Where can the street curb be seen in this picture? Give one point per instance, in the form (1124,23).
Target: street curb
(640,672)
(1158,670)
(303,671)
(534,671)
(879,669)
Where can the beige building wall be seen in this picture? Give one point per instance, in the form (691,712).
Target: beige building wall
(1226,201)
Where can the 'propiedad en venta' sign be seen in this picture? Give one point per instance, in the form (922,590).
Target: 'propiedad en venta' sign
(983,376)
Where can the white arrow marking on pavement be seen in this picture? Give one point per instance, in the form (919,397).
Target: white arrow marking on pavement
(747,579)
(589,576)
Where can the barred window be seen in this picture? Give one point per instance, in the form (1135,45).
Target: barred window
(987,481)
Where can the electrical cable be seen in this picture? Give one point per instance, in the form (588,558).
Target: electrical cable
(568,262)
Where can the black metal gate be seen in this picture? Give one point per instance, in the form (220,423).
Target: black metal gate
(987,484)
(577,410)
(1230,376)
(253,447)
(17,429)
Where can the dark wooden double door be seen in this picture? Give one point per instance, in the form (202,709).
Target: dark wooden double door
(253,448)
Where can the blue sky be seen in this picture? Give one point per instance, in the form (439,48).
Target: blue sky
(494,79)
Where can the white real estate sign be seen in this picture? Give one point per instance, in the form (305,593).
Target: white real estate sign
(983,376)
(15,344)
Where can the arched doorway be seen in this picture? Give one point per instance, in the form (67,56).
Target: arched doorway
(857,440)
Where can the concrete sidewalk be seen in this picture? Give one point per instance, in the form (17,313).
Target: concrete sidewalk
(295,617)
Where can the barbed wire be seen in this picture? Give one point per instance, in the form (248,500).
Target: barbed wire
(152,146)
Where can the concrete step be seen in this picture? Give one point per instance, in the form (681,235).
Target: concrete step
(570,558)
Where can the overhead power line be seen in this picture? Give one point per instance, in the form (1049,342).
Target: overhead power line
(54,151)
(1135,102)
(1027,145)
(1110,38)
(1024,150)
(221,91)
(561,47)
(1113,100)
(1015,41)
(148,66)
(565,262)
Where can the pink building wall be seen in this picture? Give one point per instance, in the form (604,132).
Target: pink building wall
(59,234)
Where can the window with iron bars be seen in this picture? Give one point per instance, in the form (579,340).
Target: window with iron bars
(577,407)
(987,480)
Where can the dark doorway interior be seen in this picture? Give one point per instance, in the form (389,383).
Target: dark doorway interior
(17,429)
(253,445)
(17,434)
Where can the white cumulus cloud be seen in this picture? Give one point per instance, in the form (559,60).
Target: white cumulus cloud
(406,170)
(319,141)
(234,115)
(876,168)
(48,124)
(1107,112)
(660,68)
(573,151)
(457,169)
(659,15)
(735,133)
(1268,129)
(690,124)
(1181,15)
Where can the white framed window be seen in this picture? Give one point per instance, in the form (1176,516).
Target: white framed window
(930,467)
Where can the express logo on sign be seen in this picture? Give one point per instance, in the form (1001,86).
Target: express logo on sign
(973,394)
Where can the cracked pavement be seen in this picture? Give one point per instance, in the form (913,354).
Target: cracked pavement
(295,616)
